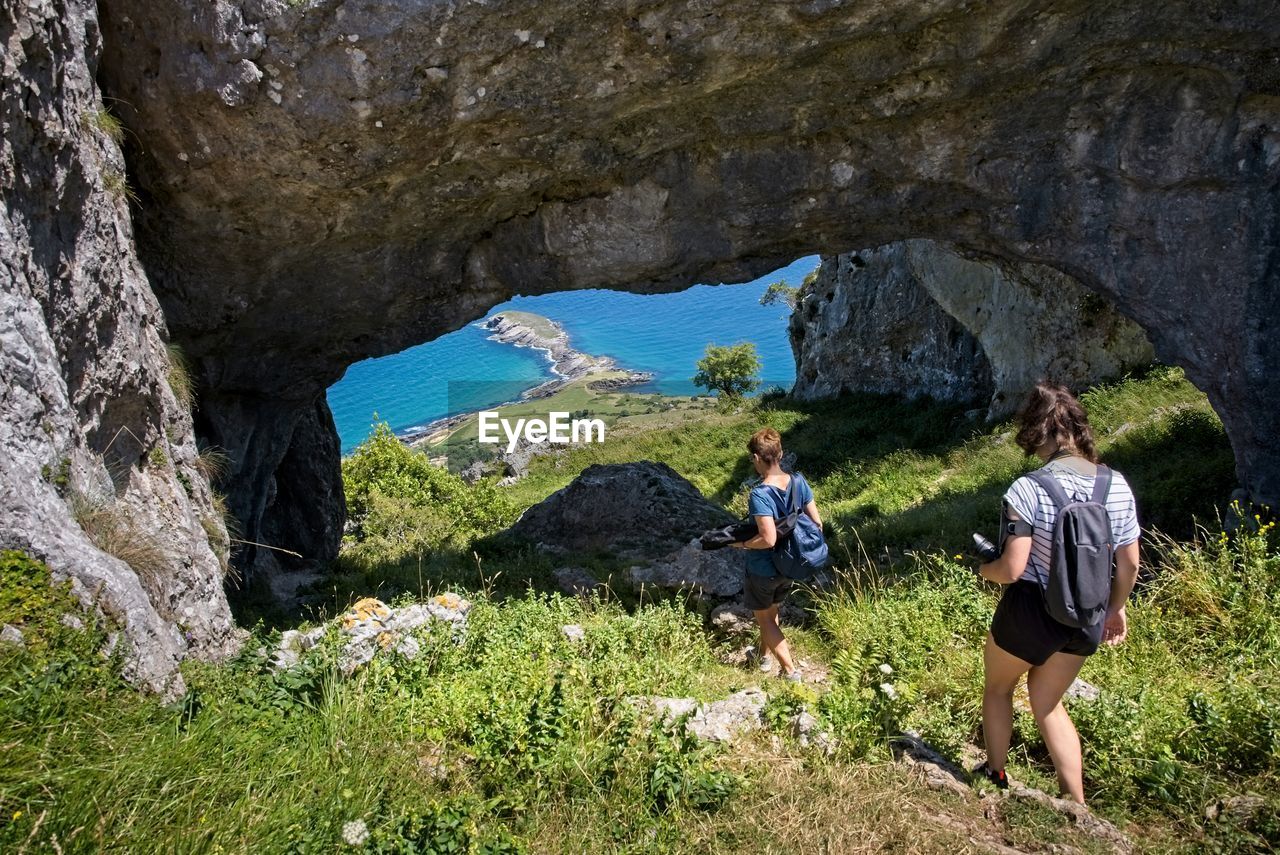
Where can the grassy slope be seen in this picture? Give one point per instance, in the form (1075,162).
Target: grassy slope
(575,397)
(519,731)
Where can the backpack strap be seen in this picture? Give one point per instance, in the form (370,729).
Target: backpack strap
(792,494)
(1051,485)
(1101,485)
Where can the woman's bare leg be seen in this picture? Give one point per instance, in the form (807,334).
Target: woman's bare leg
(1002,670)
(1046,685)
(771,637)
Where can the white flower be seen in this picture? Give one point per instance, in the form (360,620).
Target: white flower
(886,669)
(355,833)
(889,691)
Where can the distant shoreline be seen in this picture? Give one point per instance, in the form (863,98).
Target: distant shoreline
(525,329)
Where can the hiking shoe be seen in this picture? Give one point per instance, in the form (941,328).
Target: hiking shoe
(758,659)
(794,677)
(996,777)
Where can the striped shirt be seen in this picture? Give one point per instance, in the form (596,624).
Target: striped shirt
(1032,502)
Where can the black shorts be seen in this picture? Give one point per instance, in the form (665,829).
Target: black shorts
(1022,627)
(760,592)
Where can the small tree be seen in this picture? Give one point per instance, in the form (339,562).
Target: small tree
(780,292)
(729,369)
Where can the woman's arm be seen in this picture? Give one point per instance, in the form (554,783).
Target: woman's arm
(1011,564)
(766,538)
(811,508)
(1117,623)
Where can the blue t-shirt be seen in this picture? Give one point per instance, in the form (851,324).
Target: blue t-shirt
(768,501)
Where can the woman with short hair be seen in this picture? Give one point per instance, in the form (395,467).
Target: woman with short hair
(1024,638)
(765,588)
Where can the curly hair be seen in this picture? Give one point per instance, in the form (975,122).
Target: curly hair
(1051,412)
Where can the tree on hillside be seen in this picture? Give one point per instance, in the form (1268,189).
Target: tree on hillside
(780,292)
(729,369)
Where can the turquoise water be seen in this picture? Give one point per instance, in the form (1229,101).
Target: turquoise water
(662,333)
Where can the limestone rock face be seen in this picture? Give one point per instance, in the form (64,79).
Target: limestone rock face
(920,318)
(867,324)
(1031,321)
(329,181)
(90,430)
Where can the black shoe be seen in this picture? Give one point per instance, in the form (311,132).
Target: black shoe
(997,777)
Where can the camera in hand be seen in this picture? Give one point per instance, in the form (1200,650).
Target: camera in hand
(985,549)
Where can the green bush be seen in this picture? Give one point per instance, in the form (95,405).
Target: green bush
(398,501)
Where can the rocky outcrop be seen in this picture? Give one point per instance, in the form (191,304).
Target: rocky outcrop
(920,318)
(99,472)
(644,512)
(524,330)
(643,509)
(867,324)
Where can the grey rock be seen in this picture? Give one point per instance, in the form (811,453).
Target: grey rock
(718,721)
(1079,815)
(807,730)
(573,632)
(1239,808)
(71,621)
(719,573)
(372,626)
(920,317)
(867,324)
(10,634)
(474,472)
(939,772)
(408,647)
(733,619)
(643,508)
(88,419)
(1079,690)
(575,581)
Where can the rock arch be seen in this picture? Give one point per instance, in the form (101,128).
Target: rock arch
(336,180)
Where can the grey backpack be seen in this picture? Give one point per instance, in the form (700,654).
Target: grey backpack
(1080,560)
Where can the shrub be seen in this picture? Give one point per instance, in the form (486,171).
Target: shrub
(180,380)
(399,501)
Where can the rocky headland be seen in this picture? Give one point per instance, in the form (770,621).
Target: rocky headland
(523,329)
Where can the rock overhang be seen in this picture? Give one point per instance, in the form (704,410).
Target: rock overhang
(335,181)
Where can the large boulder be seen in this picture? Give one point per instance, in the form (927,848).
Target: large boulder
(866,323)
(921,318)
(641,509)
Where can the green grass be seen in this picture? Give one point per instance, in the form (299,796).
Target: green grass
(517,739)
(621,409)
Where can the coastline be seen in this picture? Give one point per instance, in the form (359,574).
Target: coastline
(524,329)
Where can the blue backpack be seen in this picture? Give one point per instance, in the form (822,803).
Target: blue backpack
(801,550)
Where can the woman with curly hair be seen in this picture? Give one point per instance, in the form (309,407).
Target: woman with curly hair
(1024,637)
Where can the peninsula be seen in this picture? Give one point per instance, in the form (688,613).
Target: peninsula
(583,375)
(525,329)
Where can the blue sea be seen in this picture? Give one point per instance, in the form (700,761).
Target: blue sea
(662,333)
